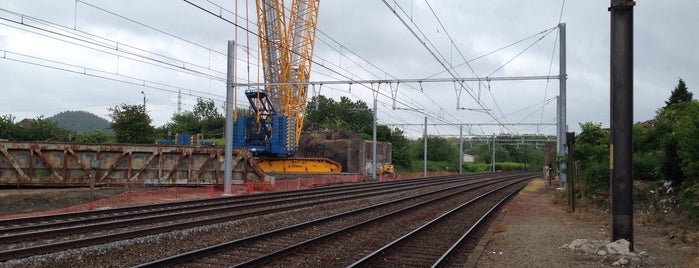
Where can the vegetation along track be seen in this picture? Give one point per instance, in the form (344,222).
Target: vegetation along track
(437,223)
(39,235)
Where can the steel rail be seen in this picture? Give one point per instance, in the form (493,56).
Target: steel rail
(185,257)
(119,221)
(101,239)
(379,253)
(452,249)
(120,213)
(66,219)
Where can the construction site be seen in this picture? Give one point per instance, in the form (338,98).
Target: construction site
(329,111)
(261,150)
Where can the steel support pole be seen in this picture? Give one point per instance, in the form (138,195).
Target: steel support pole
(461,149)
(621,123)
(559,141)
(230,92)
(424,154)
(373,144)
(144,101)
(492,160)
(562,122)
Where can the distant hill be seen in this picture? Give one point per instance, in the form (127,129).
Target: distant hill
(81,121)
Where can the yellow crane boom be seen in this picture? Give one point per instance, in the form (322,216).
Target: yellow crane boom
(286,48)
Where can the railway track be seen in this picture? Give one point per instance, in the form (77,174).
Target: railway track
(40,235)
(66,219)
(435,243)
(421,230)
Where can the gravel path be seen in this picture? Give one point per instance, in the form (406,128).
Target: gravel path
(532,230)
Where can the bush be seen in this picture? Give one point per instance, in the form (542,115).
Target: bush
(432,166)
(689,196)
(596,176)
(476,167)
(509,166)
(646,166)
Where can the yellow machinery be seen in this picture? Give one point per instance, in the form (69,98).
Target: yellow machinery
(296,165)
(286,50)
(386,172)
(385,169)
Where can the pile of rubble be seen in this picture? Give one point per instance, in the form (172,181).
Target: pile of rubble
(619,248)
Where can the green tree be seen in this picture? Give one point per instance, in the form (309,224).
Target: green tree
(185,123)
(45,130)
(345,114)
(383,133)
(39,129)
(679,94)
(687,133)
(211,122)
(9,129)
(438,149)
(96,136)
(592,150)
(205,109)
(527,154)
(204,119)
(647,156)
(645,137)
(677,108)
(484,153)
(666,122)
(131,124)
(400,146)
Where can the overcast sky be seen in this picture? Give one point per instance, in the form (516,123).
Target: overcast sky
(93,54)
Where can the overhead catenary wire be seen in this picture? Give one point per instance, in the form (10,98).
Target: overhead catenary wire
(426,42)
(323,61)
(235,23)
(161,31)
(434,54)
(314,61)
(343,51)
(82,70)
(452,71)
(115,48)
(543,35)
(98,43)
(152,28)
(378,68)
(496,50)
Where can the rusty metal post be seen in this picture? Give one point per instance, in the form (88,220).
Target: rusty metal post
(94,165)
(621,123)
